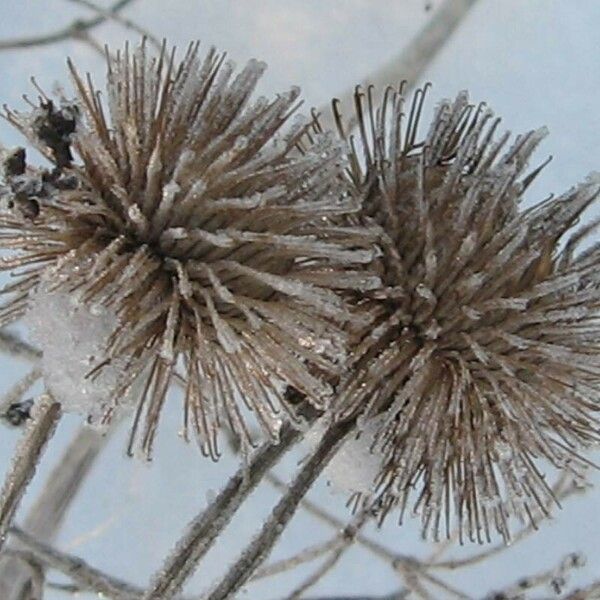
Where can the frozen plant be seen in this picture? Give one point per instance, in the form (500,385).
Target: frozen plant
(483,359)
(377,292)
(218,247)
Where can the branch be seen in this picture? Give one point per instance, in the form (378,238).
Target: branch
(73,30)
(260,548)
(82,574)
(202,532)
(410,64)
(12,344)
(399,595)
(44,419)
(121,20)
(46,515)
(345,539)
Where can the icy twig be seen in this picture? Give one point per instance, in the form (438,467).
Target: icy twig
(83,575)
(71,31)
(16,392)
(345,539)
(44,418)
(47,513)
(260,548)
(304,556)
(562,489)
(12,344)
(120,19)
(410,64)
(555,578)
(202,532)
(399,595)
(407,567)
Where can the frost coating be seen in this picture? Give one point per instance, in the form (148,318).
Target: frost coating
(193,215)
(483,358)
(73,338)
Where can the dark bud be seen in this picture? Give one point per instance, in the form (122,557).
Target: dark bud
(558,584)
(27,207)
(59,180)
(54,128)
(14,163)
(19,412)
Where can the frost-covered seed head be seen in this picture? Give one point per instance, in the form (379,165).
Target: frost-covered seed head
(219,246)
(485,350)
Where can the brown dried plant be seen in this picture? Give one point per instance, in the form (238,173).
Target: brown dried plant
(217,246)
(483,361)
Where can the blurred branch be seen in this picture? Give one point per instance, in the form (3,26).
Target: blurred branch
(39,429)
(82,574)
(46,515)
(72,31)
(12,344)
(120,19)
(345,539)
(202,532)
(259,549)
(399,595)
(410,64)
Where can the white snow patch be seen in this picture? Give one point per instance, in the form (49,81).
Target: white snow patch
(72,336)
(354,468)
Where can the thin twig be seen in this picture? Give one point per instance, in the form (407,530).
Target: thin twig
(379,550)
(345,539)
(120,19)
(260,548)
(16,392)
(399,595)
(82,574)
(49,510)
(410,64)
(40,428)
(202,532)
(70,31)
(12,344)
(304,556)
(408,567)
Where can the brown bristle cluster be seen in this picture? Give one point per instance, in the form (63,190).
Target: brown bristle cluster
(218,246)
(484,355)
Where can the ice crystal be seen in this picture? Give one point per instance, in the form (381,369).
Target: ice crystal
(484,356)
(73,336)
(216,244)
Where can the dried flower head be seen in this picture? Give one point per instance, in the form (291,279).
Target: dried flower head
(216,246)
(484,355)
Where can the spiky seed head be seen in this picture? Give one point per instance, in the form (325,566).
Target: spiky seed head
(217,245)
(485,350)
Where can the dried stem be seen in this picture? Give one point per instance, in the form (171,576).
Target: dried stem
(202,532)
(259,549)
(39,430)
(16,392)
(410,64)
(71,31)
(11,343)
(120,19)
(304,556)
(83,575)
(48,512)
(345,539)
